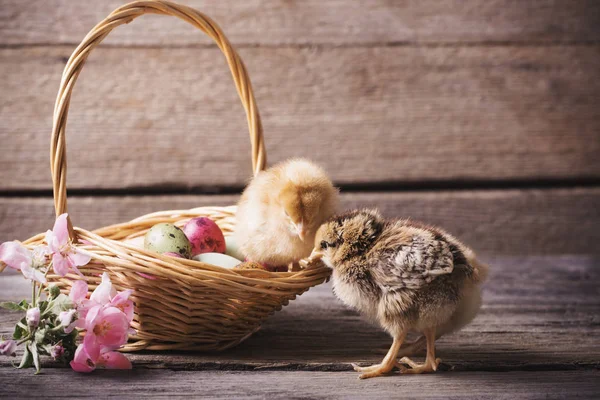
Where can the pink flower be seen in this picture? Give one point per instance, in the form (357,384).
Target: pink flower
(17,256)
(106,326)
(65,256)
(104,292)
(122,302)
(33,317)
(86,362)
(106,295)
(78,296)
(8,348)
(67,320)
(78,292)
(57,351)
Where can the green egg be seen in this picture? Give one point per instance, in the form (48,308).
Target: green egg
(167,238)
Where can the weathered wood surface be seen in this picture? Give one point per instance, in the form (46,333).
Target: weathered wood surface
(151,384)
(511,222)
(336,22)
(539,313)
(536,337)
(162,117)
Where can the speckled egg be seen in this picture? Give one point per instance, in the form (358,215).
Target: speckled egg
(204,235)
(167,238)
(218,259)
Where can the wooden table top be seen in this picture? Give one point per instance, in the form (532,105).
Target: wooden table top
(537,335)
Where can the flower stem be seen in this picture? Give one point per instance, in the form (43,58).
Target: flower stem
(33,293)
(20,342)
(41,285)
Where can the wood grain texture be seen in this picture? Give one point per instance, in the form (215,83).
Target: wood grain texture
(158,117)
(151,384)
(284,22)
(527,323)
(501,221)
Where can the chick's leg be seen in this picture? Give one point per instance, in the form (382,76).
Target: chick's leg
(431,363)
(388,362)
(408,348)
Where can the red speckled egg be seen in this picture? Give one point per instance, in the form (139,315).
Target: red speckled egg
(205,236)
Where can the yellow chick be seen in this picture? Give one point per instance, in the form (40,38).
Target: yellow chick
(280,211)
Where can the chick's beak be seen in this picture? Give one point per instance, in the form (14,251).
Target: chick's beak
(316,254)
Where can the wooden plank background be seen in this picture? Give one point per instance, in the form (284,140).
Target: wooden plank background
(284,22)
(480,116)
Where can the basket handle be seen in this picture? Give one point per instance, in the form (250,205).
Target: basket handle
(124,15)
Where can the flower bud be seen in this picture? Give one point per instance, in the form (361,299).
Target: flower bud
(8,348)
(54,291)
(57,351)
(33,317)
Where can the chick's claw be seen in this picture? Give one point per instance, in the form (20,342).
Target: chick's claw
(427,366)
(379,371)
(358,368)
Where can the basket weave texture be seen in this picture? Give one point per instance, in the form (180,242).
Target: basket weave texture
(179,303)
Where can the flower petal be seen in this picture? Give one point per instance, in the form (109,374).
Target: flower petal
(104,292)
(91,346)
(52,242)
(90,318)
(66,320)
(78,291)
(116,336)
(8,348)
(60,229)
(78,259)
(122,302)
(33,274)
(114,360)
(82,361)
(60,264)
(77,271)
(15,255)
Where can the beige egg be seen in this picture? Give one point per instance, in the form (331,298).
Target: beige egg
(218,259)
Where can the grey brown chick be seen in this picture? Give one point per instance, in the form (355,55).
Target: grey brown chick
(406,276)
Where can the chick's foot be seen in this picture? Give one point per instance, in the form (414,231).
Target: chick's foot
(380,369)
(386,365)
(428,366)
(358,368)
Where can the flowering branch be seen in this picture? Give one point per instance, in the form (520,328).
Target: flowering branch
(52,323)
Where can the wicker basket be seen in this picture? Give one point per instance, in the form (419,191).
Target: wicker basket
(179,304)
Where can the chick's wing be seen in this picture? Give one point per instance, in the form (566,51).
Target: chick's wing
(414,264)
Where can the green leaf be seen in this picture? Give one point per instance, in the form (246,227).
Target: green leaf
(36,357)
(20,330)
(60,303)
(40,335)
(42,306)
(54,291)
(27,359)
(9,305)
(24,304)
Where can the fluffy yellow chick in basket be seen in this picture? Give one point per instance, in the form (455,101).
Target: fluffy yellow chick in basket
(405,276)
(280,212)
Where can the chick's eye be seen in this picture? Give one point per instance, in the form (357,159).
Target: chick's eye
(325,244)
